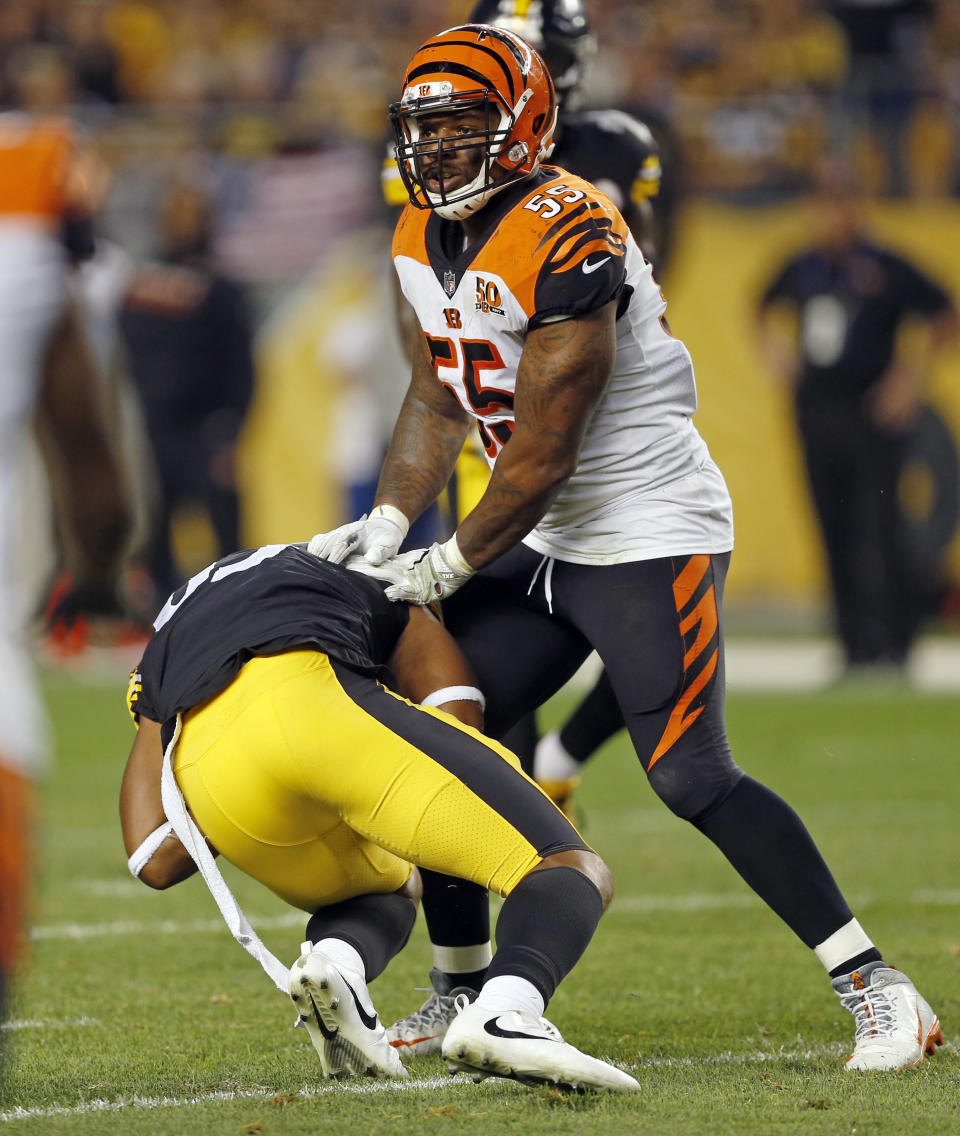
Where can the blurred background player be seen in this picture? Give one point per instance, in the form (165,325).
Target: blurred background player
(619,154)
(857,392)
(48,389)
(188,332)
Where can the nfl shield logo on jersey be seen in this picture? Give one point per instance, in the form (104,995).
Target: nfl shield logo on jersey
(449,281)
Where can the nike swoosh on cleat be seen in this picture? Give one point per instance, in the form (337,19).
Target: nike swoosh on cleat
(492,1027)
(588,267)
(327,1033)
(370,1021)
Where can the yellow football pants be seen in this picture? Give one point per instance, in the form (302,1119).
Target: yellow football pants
(321,784)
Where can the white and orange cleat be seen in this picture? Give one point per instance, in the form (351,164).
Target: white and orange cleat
(895,1026)
(421,1033)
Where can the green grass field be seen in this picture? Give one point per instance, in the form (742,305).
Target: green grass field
(140,1015)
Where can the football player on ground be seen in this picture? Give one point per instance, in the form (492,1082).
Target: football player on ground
(605,524)
(299,767)
(618,154)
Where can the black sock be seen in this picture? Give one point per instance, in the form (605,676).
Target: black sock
(458,915)
(445,982)
(544,927)
(855,963)
(768,844)
(470,978)
(378,926)
(597,718)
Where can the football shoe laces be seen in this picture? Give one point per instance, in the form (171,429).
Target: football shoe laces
(895,1026)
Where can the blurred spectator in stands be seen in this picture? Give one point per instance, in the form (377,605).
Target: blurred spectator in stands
(188,334)
(856,399)
(48,389)
(946,115)
(751,86)
(888,63)
(140,35)
(96,63)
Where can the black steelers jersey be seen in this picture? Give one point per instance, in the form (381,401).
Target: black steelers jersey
(259,602)
(610,149)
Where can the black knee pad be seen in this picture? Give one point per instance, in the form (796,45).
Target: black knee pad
(378,926)
(691,788)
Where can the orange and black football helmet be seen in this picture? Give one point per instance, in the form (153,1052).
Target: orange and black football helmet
(475,67)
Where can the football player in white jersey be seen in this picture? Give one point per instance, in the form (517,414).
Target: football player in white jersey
(605,524)
(619,155)
(47,382)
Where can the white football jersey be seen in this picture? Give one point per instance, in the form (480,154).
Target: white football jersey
(33,288)
(645,485)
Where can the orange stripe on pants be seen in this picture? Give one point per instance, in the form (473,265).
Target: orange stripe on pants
(706,619)
(689,579)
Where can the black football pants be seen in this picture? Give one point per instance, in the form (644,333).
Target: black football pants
(526,624)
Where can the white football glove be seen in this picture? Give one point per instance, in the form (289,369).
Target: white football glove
(430,574)
(376,538)
(389,572)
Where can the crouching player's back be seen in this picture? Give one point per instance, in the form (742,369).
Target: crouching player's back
(310,726)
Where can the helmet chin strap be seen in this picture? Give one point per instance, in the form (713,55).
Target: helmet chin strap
(466,207)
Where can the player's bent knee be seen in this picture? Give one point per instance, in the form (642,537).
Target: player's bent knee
(588,864)
(413,888)
(688,792)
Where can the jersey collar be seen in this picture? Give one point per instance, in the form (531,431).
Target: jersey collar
(444,239)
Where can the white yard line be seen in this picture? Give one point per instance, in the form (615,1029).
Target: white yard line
(622,905)
(36,1023)
(164,927)
(814,664)
(413,1084)
(754,663)
(839,1050)
(759,1058)
(360,1088)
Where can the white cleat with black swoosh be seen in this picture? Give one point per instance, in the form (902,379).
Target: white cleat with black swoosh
(334,1005)
(525,1048)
